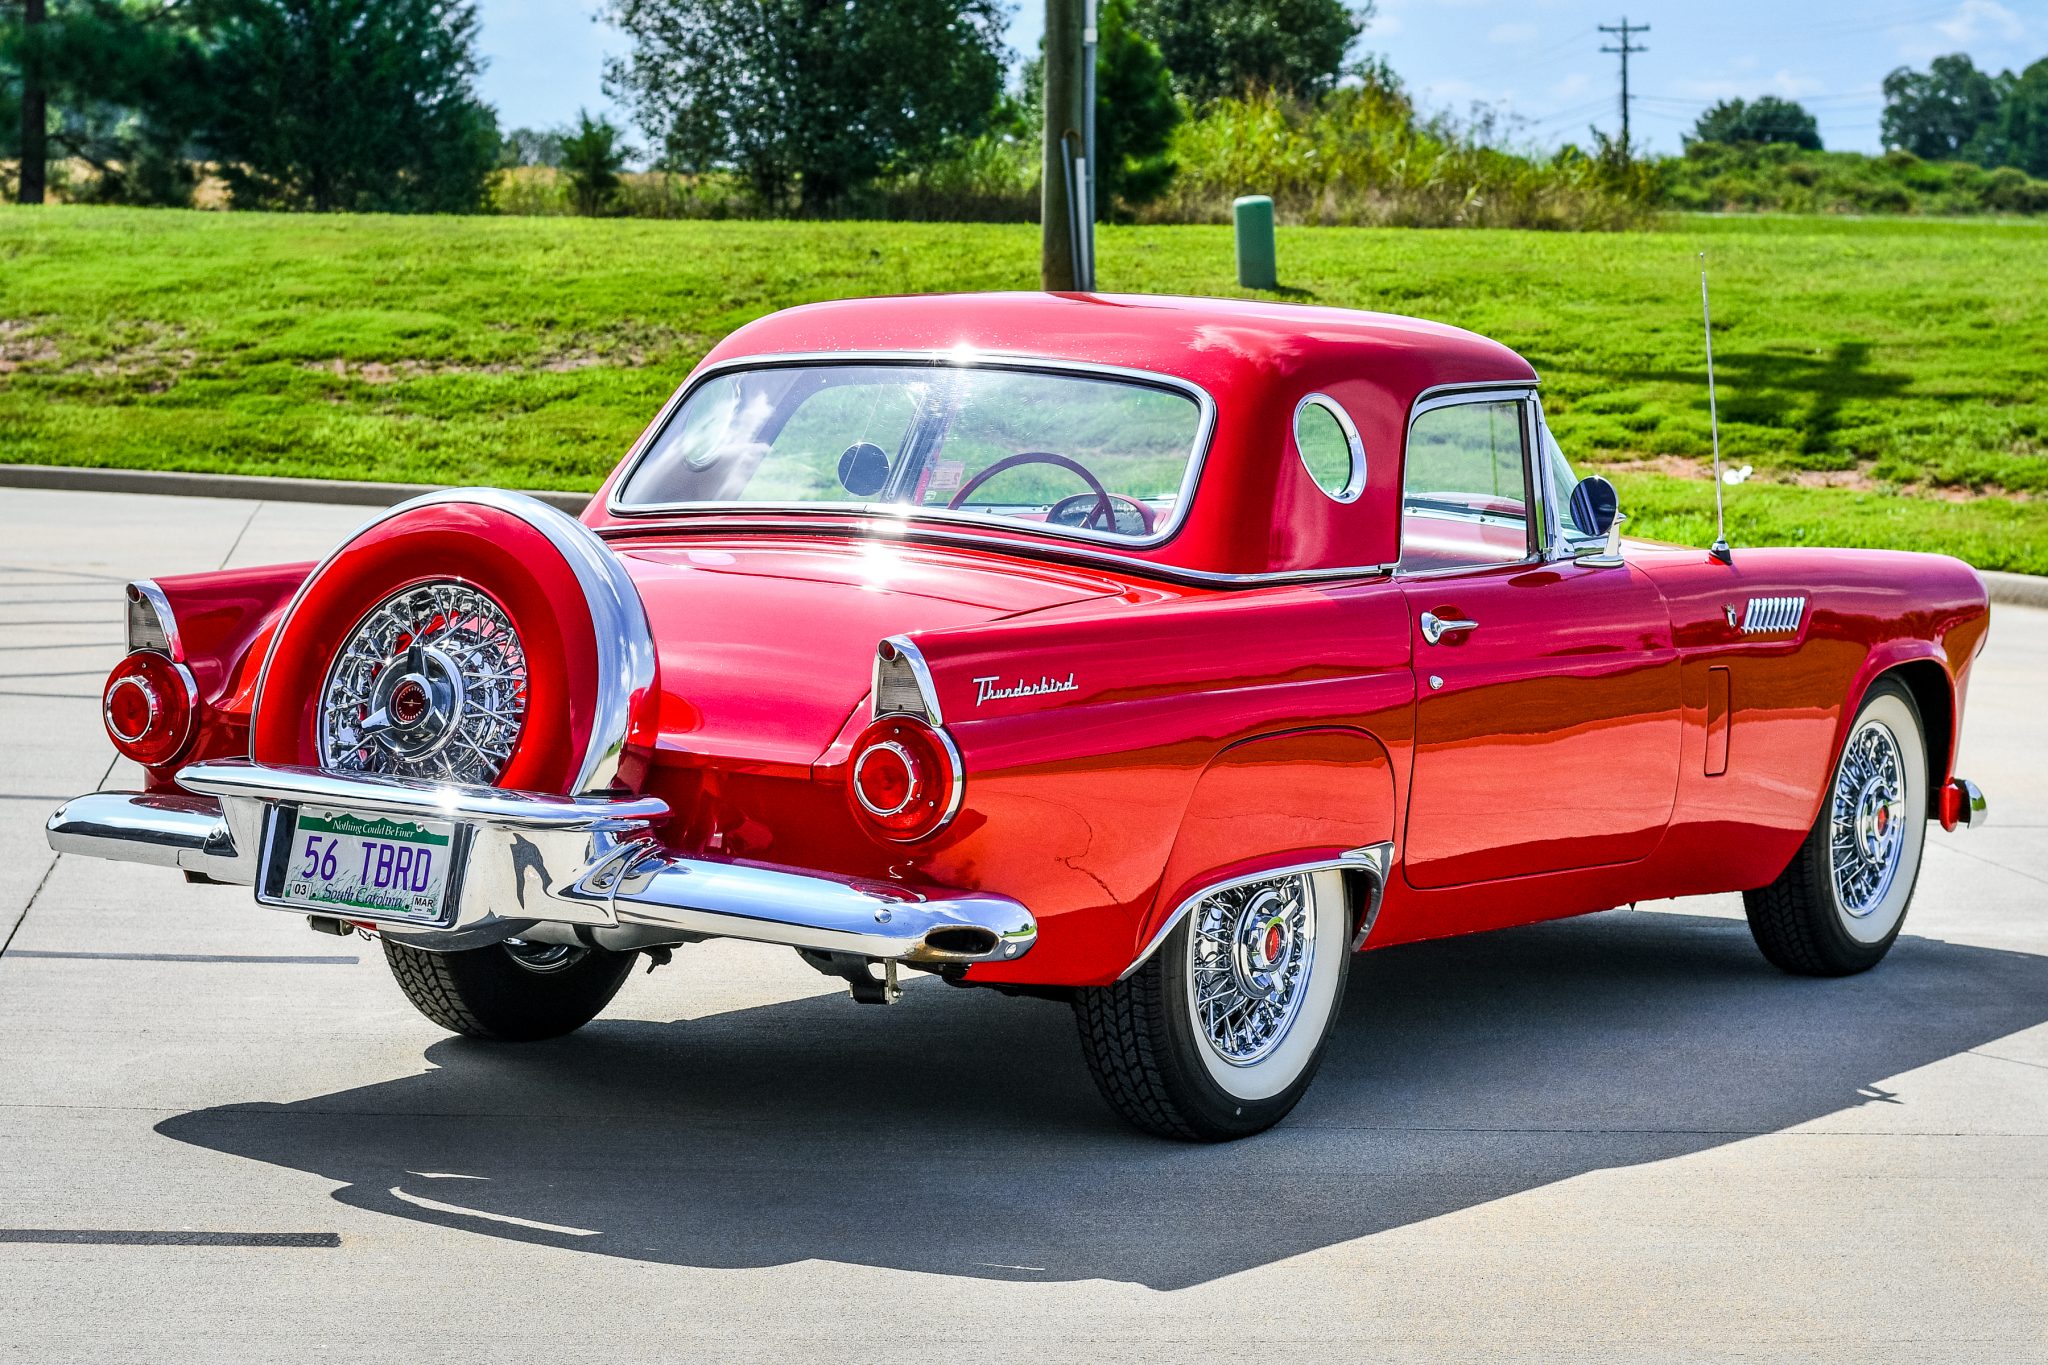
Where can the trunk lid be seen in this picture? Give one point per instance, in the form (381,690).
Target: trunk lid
(766,646)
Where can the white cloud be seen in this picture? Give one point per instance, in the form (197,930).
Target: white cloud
(1785,83)
(1792,86)
(1518,35)
(1976,25)
(1575,84)
(1452,91)
(1981,19)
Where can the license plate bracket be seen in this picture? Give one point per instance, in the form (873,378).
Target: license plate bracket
(386,869)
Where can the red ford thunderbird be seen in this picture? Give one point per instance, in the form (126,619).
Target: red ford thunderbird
(1154,654)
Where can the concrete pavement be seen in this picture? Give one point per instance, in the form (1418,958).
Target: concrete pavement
(1622,1137)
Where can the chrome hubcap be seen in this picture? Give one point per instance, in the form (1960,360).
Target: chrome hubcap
(1252,947)
(1868,818)
(431,683)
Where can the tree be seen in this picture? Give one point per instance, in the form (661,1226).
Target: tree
(531,147)
(1766,119)
(364,105)
(1135,112)
(32,104)
(808,99)
(1226,47)
(1947,113)
(2023,123)
(592,157)
(114,83)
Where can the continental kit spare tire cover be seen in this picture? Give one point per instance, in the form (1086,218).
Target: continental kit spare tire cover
(469,635)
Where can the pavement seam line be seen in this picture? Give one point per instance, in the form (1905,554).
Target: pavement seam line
(246,524)
(29,904)
(44,880)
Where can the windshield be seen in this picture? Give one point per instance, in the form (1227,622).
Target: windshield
(1087,454)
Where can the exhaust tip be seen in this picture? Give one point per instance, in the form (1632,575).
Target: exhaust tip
(958,943)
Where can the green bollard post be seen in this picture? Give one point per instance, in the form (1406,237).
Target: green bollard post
(1256,267)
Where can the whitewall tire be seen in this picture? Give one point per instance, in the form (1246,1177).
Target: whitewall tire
(1219,1033)
(1840,903)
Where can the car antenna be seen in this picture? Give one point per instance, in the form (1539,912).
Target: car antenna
(1719,549)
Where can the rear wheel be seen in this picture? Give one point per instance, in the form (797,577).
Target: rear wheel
(515,992)
(1838,906)
(1218,1035)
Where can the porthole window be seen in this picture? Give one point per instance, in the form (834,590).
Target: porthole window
(1329,446)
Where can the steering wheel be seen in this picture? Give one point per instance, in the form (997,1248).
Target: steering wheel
(1059,512)
(1104,515)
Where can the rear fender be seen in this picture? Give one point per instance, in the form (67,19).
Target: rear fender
(1271,803)
(220,626)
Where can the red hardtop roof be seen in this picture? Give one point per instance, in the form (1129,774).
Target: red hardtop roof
(1208,341)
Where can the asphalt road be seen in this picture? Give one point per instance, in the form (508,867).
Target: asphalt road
(223,1137)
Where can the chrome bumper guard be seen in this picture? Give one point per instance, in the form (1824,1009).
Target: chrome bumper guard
(552,868)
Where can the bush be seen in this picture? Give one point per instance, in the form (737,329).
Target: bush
(1361,156)
(1784,179)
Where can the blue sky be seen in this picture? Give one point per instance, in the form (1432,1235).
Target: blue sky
(1537,60)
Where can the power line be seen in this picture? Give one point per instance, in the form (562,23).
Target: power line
(1547,56)
(1624,29)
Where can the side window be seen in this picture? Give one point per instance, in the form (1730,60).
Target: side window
(1329,447)
(1464,490)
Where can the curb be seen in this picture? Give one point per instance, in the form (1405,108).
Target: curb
(2015,589)
(2011,589)
(256,487)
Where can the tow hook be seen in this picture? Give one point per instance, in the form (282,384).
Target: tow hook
(658,957)
(858,973)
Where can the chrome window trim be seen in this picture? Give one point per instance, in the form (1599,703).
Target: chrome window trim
(913,658)
(1562,546)
(955,358)
(625,643)
(1522,393)
(1371,859)
(144,592)
(1091,558)
(1355,485)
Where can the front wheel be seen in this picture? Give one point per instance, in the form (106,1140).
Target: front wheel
(514,992)
(1837,907)
(1218,1035)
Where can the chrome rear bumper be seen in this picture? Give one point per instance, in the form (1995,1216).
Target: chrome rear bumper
(580,869)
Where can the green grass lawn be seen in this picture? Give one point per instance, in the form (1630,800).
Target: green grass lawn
(1888,379)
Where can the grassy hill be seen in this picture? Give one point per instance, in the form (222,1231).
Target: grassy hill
(1883,377)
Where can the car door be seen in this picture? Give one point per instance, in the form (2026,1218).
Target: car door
(1547,719)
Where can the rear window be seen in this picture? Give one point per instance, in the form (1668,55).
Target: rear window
(1083,454)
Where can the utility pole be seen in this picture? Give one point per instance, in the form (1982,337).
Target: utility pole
(1624,29)
(1061,213)
(35,151)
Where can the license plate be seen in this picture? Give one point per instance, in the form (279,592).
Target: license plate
(381,867)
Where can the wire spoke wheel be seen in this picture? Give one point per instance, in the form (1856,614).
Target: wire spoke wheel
(1217,1034)
(1867,824)
(1841,899)
(431,683)
(1250,952)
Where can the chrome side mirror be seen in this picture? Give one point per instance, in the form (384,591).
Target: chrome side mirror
(1596,509)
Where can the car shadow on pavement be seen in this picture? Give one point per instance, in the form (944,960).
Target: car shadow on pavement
(958,1133)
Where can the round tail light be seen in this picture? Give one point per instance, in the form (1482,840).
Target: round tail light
(904,778)
(151,707)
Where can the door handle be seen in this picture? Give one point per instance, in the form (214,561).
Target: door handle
(1435,627)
